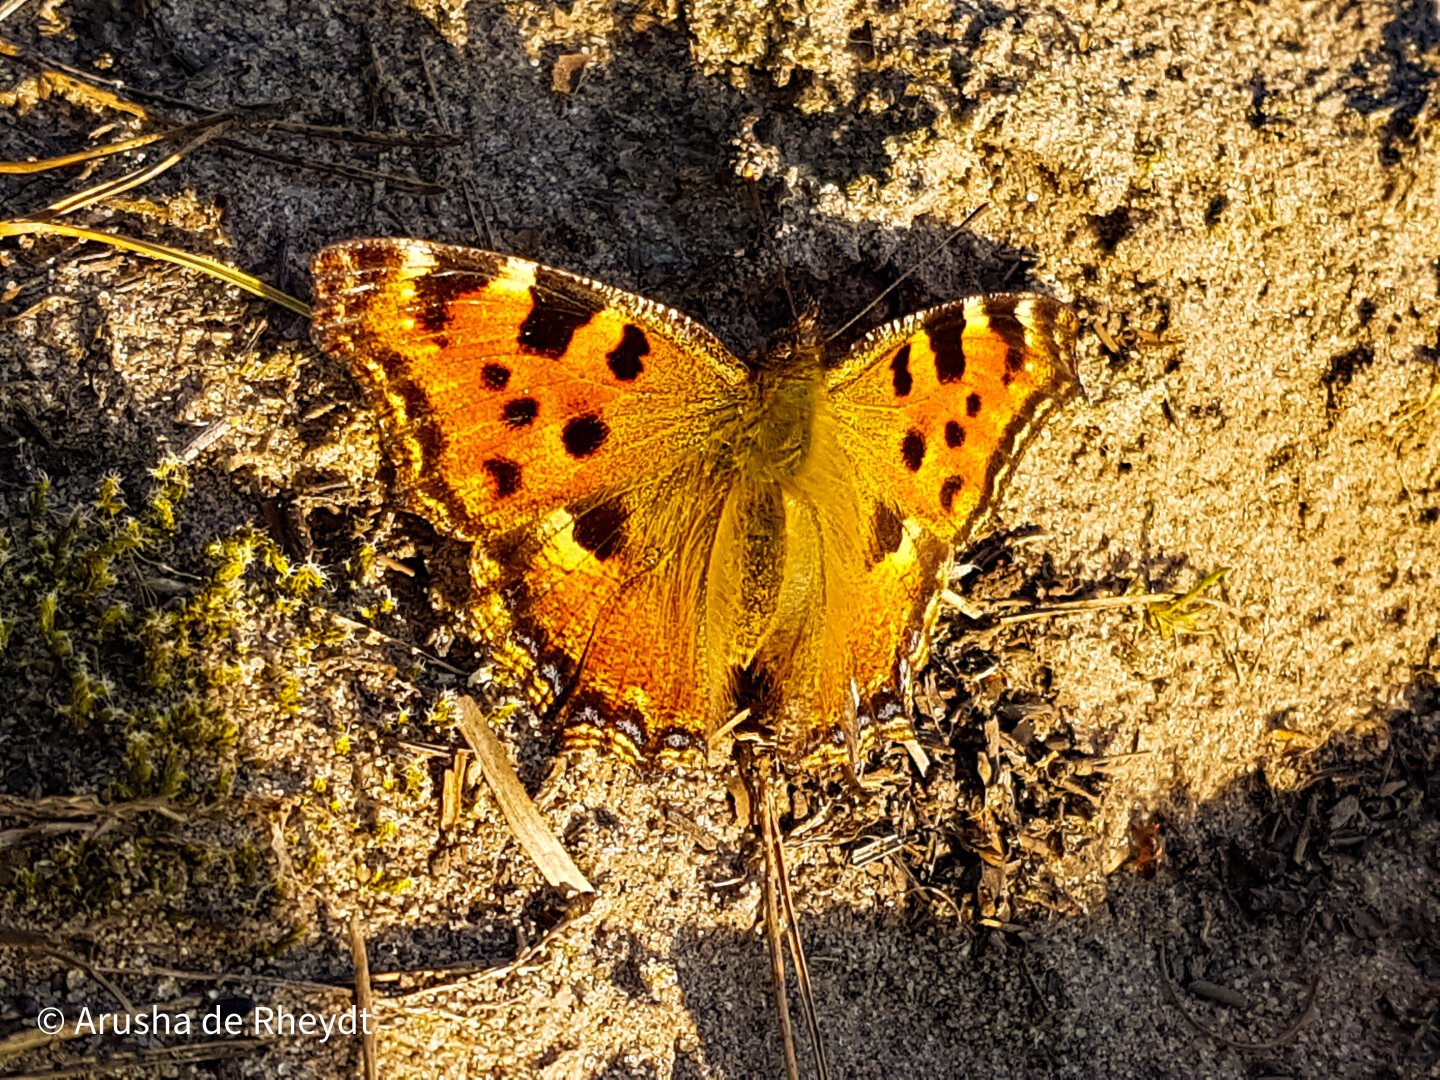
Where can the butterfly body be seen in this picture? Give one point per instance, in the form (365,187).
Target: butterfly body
(663,531)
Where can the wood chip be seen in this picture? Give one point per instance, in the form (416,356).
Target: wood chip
(520,812)
(565,75)
(918,757)
(452,789)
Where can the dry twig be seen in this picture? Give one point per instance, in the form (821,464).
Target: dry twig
(364,998)
(1172,992)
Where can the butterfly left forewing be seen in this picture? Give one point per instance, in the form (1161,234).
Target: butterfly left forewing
(511,388)
(567,427)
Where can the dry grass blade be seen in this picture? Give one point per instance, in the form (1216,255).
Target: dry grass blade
(520,812)
(715,737)
(27,1040)
(409,184)
(121,184)
(180,131)
(46,223)
(17,168)
(358,627)
(780,922)
(308,986)
(797,947)
(412,140)
(773,936)
(443,979)
(1167,612)
(157,1058)
(452,790)
(71,85)
(32,942)
(941,246)
(1071,607)
(214,267)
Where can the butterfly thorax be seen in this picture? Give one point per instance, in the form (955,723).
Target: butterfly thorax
(776,437)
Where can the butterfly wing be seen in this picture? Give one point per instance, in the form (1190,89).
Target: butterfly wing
(922,424)
(564,425)
(940,405)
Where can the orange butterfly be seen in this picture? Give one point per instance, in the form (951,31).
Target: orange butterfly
(661,529)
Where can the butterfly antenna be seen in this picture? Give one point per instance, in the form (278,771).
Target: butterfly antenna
(765,231)
(941,246)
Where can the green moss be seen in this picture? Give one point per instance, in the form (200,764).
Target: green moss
(138,684)
(108,499)
(415,777)
(114,875)
(444,713)
(389,884)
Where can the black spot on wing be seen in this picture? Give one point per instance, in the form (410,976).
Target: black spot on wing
(900,377)
(395,365)
(626,359)
(946,332)
(1011,331)
(520,412)
(364,255)
(437,293)
(912,449)
(583,435)
(972,406)
(949,489)
(495,376)
(417,417)
(886,530)
(506,475)
(600,530)
(556,312)
(954,435)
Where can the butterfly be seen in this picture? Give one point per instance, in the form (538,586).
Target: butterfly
(663,531)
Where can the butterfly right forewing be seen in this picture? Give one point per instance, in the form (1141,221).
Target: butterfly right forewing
(922,424)
(939,406)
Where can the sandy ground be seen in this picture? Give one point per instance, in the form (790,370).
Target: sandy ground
(1243,202)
